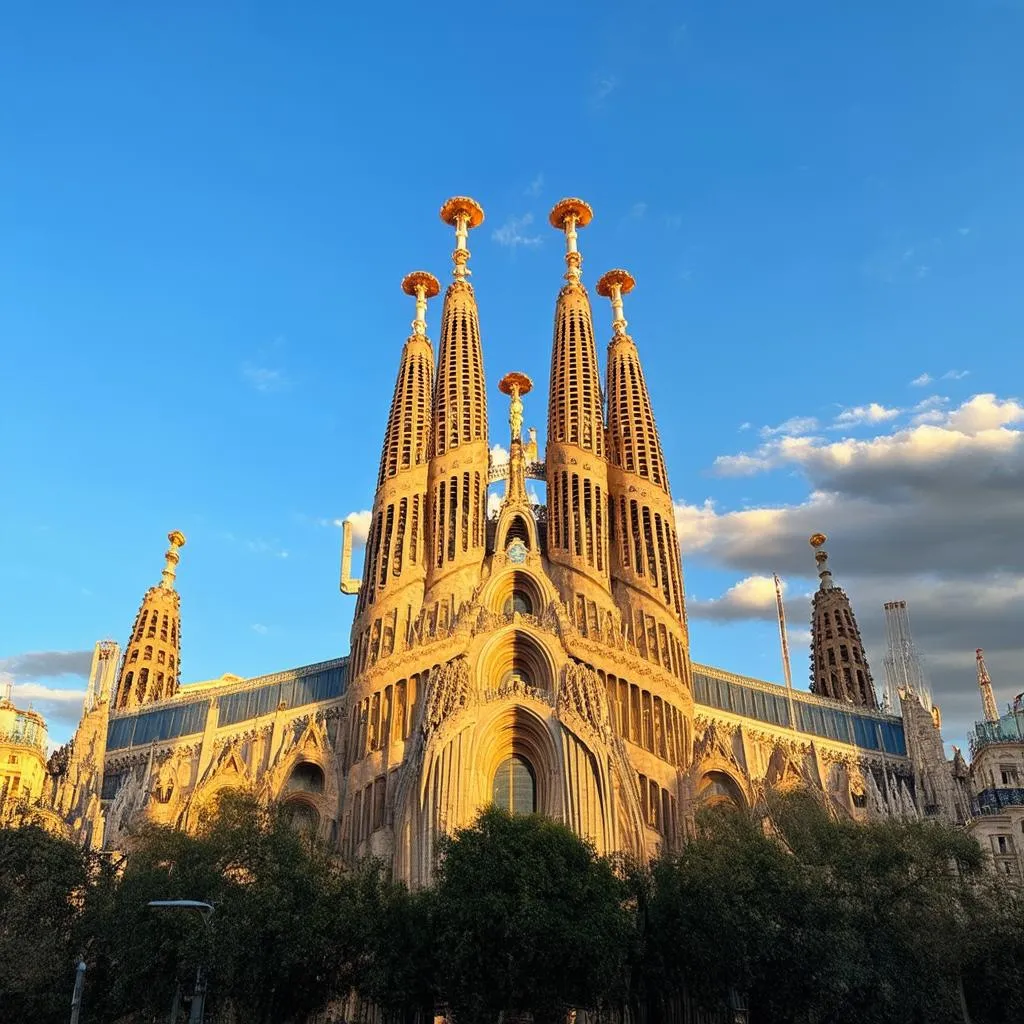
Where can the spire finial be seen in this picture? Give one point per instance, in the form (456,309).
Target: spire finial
(614,285)
(568,215)
(515,385)
(462,213)
(424,286)
(821,558)
(177,539)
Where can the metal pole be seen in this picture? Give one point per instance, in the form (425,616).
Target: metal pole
(76,995)
(198,999)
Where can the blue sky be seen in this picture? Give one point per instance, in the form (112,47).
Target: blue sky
(205,216)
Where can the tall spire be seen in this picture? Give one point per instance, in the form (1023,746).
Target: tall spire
(645,549)
(839,664)
(151,667)
(577,474)
(395,546)
(988,700)
(459,457)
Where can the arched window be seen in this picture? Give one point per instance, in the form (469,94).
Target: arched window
(718,788)
(301,816)
(519,601)
(515,787)
(306,778)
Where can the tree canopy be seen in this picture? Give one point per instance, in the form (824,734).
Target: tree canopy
(810,919)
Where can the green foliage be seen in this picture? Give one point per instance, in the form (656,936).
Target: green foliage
(529,919)
(820,920)
(41,885)
(281,942)
(815,920)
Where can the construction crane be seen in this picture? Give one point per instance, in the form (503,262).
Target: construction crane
(784,640)
(988,699)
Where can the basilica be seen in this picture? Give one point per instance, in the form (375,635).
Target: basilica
(535,656)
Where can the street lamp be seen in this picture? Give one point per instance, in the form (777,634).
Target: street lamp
(205,910)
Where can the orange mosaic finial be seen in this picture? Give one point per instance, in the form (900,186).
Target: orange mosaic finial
(462,213)
(567,215)
(177,540)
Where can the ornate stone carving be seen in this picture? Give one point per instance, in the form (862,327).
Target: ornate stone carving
(449,692)
(581,694)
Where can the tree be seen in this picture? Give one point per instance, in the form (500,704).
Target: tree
(42,879)
(399,970)
(283,939)
(528,919)
(816,919)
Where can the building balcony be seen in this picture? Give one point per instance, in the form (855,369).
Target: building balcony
(994,800)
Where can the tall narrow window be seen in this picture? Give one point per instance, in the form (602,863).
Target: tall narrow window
(515,787)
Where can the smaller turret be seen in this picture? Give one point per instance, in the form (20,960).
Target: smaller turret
(151,667)
(839,665)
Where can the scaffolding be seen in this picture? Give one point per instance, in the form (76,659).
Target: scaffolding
(903,672)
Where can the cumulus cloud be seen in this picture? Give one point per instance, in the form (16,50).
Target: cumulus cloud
(752,598)
(858,415)
(513,234)
(499,455)
(789,428)
(929,513)
(360,525)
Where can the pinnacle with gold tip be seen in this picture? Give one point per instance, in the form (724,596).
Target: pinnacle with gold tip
(424,286)
(462,213)
(567,215)
(613,285)
(177,540)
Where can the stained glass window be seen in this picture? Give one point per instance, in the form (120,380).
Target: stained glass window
(515,788)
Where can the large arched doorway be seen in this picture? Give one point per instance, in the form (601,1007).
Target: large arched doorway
(515,786)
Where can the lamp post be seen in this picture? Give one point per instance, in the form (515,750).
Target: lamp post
(76,995)
(205,911)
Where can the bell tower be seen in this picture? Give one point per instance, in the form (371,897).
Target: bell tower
(151,667)
(646,569)
(394,568)
(839,664)
(459,453)
(575,461)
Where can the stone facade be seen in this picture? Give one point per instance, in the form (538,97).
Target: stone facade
(537,658)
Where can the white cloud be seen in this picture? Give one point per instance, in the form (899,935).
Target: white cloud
(791,427)
(499,455)
(604,86)
(638,210)
(922,380)
(60,706)
(360,525)
(752,598)
(535,186)
(873,412)
(512,233)
(258,627)
(264,379)
(955,374)
(929,513)
(493,503)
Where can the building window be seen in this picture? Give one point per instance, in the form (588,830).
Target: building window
(515,787)
(1008,774)
(1001,844)
(518,602)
